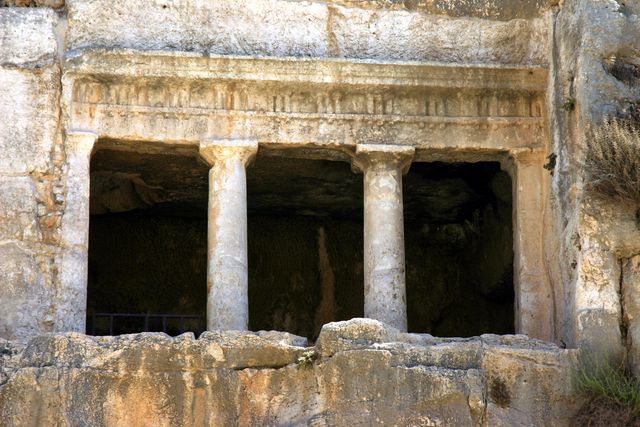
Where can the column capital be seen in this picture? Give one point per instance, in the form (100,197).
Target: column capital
(368,155)
(218,150)
(80,140)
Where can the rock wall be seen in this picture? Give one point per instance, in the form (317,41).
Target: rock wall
(308,29)
(360,373)
(591,40)
(31,192)
(363,368)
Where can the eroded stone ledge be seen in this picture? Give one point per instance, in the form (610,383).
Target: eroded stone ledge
(303,29)
(491,9)
(363,370)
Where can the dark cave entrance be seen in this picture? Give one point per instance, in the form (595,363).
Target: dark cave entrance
(459,249)
(147,242)
(305,244)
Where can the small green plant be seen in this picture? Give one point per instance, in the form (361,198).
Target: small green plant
(613,394)
(569,105)
(307,358)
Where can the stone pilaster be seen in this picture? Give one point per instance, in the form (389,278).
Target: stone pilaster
(71,300)
(227,270)
(384,264)
(533,294)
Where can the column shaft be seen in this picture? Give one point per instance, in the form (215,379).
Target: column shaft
(227,269)
(384,256)
(384,282)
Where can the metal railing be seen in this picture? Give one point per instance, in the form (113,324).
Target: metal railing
(127,323)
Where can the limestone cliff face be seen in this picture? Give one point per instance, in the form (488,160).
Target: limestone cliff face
(36,250)
(592,42)
(359,373)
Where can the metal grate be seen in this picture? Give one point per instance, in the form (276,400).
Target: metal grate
(129,323)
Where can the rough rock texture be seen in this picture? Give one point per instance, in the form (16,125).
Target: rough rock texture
(56,4)
(283,28)
(364,373)
(493,9)
(30,192)
(631,309)
(593,42)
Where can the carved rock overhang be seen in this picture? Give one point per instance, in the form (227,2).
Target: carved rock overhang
(323,107)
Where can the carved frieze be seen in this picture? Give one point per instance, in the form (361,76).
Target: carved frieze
(151,96)
(310,99)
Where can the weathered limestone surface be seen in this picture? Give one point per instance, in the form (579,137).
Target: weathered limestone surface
(631,309)
(591,40)
(284,28)
(493,9)
(31,199)
(365,370)
(365,373)
(27,37)
(29,89)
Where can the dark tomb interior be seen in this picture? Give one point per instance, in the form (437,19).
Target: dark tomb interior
(148,244)
(305,244)
(459,249)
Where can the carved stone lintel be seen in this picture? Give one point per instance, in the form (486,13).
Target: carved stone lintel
(372,155)
(218,150)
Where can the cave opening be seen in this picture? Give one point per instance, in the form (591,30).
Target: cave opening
(459,249)
(305,244)
(147,242)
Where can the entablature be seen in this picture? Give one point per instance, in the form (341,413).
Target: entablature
(183,97)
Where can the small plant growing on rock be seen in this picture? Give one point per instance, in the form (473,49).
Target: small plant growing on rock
(613,394)
(569,105)
(613,161)
(307,358)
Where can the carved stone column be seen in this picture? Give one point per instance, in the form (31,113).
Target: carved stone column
(384,266)
(227,271)
(71,299)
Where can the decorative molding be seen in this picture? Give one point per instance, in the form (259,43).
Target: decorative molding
(183,96)
(165,64)
(309,99)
